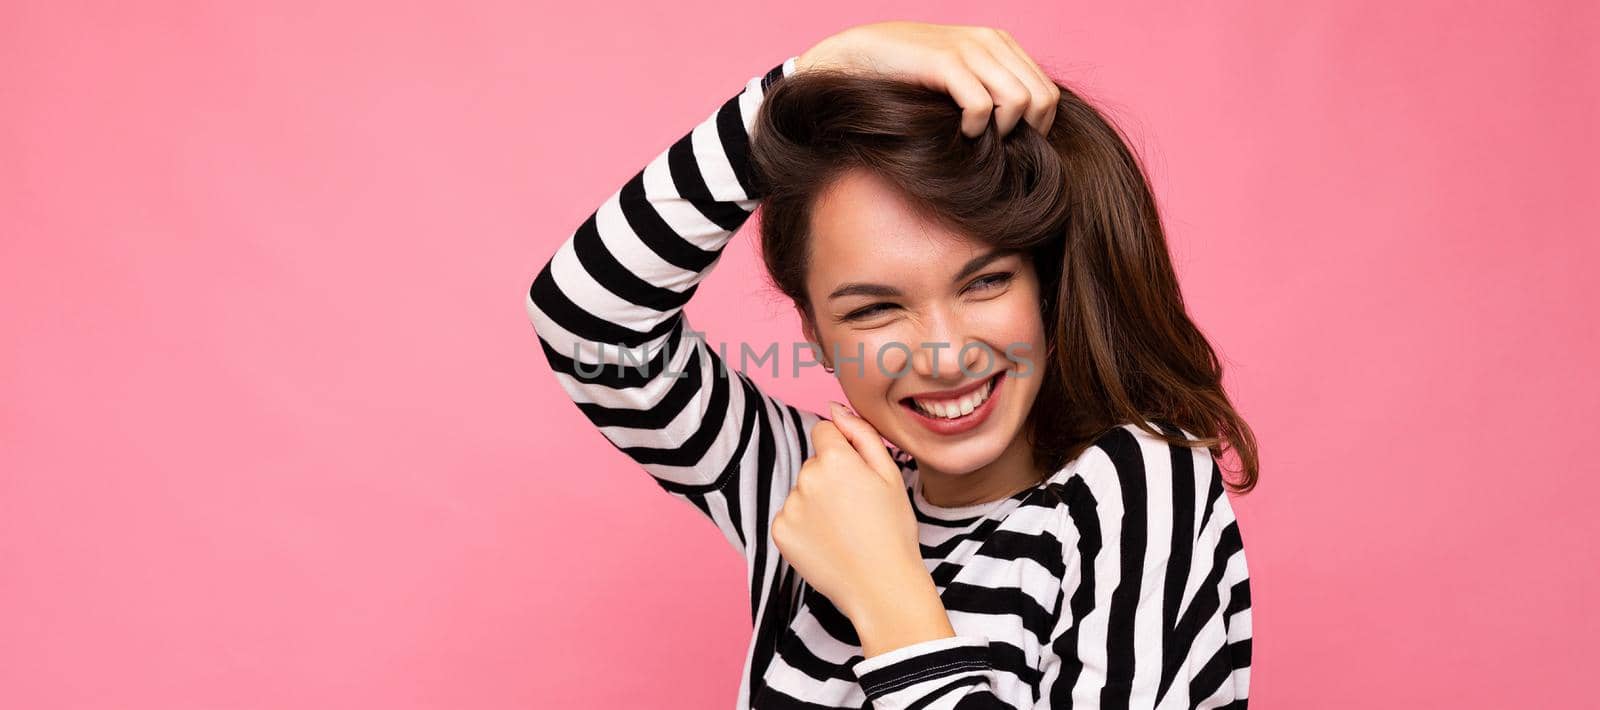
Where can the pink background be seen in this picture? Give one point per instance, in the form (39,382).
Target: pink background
(275,431)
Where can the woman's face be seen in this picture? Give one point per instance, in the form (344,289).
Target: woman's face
(918,303)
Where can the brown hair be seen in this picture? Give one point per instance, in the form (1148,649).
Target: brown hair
(1122,346)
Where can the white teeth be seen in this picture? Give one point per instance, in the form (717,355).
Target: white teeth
(953,408)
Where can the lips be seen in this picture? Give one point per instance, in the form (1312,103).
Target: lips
(950,394)
(968,422)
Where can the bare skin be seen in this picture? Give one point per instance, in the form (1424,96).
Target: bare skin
(846,525)
(982,68)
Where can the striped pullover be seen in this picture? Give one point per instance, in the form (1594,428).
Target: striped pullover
(1120,582)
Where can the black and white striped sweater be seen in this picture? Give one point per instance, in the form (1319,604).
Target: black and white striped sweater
(1126,589)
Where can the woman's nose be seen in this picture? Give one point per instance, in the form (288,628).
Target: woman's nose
(938,357)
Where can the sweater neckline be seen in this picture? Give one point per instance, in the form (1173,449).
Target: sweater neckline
(957,512)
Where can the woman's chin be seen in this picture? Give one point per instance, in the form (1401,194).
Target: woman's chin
(962,456)
(956,458)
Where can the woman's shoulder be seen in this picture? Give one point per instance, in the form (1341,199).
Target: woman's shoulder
(1124,454)
(1129,454)
(1132,479)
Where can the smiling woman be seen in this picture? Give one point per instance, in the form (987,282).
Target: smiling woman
(870,180)
(1048,529)
(938,294)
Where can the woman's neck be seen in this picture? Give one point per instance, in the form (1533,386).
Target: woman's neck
(1003,477)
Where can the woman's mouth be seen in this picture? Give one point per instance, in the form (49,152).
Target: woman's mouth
(958,414)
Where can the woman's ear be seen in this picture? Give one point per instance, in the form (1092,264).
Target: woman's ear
(808,328)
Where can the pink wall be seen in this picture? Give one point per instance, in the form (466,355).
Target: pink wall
(275,431)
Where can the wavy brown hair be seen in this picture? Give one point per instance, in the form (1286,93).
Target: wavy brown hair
(1122,348)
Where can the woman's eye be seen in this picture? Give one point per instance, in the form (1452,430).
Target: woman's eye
(991,281)
(984,283)
(871,310)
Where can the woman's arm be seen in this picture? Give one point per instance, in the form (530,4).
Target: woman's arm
(1154,605)
(702,430)
(616,287)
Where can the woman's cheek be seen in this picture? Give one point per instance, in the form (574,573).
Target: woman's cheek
(881,357)
(1012,320)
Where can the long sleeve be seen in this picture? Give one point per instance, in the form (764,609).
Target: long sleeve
(613,295)
(1153,609)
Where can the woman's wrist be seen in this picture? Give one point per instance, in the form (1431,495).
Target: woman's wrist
(806,58)
(902,612)
(825,52)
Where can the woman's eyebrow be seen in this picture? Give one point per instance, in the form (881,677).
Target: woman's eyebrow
(880,290)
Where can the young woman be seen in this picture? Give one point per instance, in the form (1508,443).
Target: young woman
(976,255)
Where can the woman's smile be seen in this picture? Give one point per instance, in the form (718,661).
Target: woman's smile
(926,284)
(956,415)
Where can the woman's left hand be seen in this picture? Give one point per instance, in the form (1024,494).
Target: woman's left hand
(847,526)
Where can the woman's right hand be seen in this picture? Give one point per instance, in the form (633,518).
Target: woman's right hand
(982,68)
